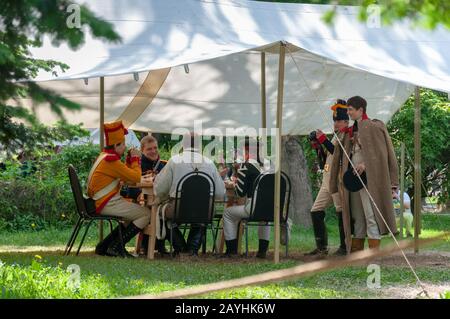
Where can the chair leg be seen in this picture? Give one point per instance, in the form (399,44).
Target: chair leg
(110,225)
(204,232)
(214,238)
(218,227)
(215,234)
(246,240)
(72,235)
(287,239)
(171,239)
(80,225)
(84,236)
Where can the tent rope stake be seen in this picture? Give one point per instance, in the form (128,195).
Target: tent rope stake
(359,177)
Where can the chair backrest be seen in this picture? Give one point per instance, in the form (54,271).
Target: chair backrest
(194,201)
(77,192)
(263,198)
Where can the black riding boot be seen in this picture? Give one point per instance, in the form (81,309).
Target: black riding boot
(342,250)
(102,246)
(231,246)
(178,244)
(320,233)
(194,240)
(161,247)
(262,249)
(116,249)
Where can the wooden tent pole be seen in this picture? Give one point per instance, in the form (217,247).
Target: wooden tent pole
(263,107)
(263,90)
(276,255)
(102,137)
(402,186)
(417,170)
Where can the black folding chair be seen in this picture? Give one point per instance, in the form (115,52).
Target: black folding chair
(83,215)
(194,203)
(262,204)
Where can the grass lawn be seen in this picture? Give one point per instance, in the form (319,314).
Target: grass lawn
(33,267)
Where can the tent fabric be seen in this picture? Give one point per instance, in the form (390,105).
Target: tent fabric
(144,97)
(161,34)
(225,94)
(213,49)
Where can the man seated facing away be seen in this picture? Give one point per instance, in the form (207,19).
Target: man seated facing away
(104,187)
(407,215)
(247,173)
(165,189)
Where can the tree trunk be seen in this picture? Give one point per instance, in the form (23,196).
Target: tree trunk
(293,163)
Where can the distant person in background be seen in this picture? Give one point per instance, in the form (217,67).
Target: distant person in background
(407,215)
(28,166)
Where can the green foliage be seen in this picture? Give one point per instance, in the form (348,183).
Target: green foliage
(36,140)
(31,204)
(43,199)
(427,14)
(435,149)
(80,156)
(25,23)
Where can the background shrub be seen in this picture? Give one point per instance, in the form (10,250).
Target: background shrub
(44,198)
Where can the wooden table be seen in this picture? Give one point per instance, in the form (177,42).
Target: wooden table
(150,201)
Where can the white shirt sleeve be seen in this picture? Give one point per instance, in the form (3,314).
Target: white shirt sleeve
(163,181)
(218,182)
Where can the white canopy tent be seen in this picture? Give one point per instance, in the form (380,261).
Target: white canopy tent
(221,41)
(206,60)
(226,93)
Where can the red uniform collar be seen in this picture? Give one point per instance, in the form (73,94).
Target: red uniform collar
(111,155)
(349,130)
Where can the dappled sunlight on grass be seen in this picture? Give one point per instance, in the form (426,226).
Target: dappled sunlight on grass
(104,277)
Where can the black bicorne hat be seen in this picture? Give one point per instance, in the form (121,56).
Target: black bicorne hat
(340,110)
